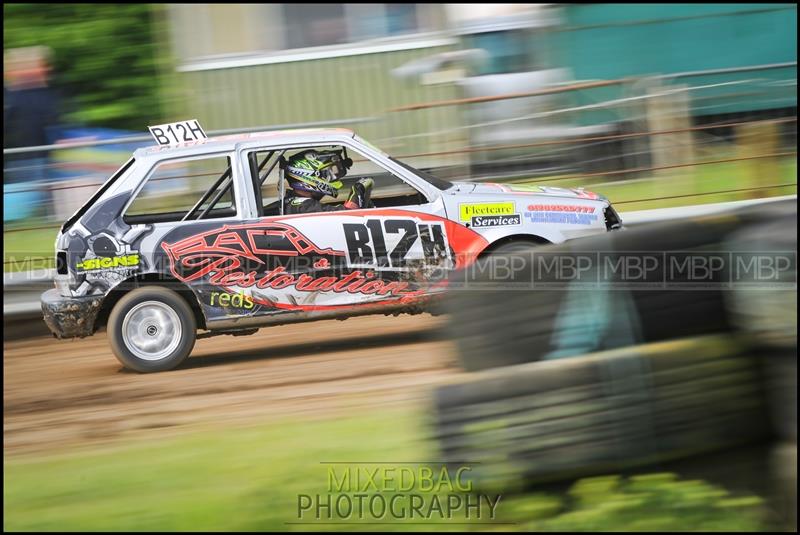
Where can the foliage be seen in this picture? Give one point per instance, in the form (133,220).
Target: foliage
(652,502)
(105,57)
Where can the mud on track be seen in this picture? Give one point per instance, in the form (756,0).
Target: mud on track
(74,392)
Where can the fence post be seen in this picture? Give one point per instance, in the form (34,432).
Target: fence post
(668,110)
(754,140)
(635,150)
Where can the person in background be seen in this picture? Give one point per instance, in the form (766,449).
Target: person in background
(31,115)
(31,112)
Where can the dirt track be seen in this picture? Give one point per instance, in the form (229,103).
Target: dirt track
(76,392)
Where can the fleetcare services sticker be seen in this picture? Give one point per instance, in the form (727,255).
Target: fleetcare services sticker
(468,211)
(496,220)
(177,133)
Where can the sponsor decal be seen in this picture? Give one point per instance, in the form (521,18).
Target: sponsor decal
(568,218)
(394,244)
(245,256)
(358,281)
(468,211)
(225,300)
(108,262)
(496,220)
(102,260)
(257,245)
(390,256)
(561,208)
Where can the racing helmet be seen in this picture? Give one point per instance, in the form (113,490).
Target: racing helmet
(316,172)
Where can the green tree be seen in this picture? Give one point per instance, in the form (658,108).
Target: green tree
(106,61)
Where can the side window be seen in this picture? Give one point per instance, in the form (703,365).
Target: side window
(264,169)
(203,186)
(388,189)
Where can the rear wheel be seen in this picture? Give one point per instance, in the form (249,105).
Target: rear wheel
(151,329)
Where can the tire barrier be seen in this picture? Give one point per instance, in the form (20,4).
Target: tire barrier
(604,412)
(780,378)
(783,465)
(767,314)
(539,316)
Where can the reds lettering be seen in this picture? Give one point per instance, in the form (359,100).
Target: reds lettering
(366,242)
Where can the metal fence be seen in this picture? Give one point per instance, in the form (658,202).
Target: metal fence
(652,124)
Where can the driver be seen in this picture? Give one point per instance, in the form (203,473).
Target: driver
(313,174)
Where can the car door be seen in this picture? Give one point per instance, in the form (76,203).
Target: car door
(397,251)
(182,213)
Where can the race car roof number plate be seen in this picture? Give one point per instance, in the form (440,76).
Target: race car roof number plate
(177,133)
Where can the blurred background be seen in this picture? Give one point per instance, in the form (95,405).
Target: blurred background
(654,106)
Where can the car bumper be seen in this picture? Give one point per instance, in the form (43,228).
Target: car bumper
(70,317)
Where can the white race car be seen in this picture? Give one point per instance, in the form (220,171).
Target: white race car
(192,235)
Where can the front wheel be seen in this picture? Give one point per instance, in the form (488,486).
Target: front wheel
(151,329)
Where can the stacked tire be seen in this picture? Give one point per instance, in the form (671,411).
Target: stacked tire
(765,312)
(653,375)
(502,321)
(604,412)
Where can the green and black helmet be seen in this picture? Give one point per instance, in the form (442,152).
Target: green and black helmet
(317,172)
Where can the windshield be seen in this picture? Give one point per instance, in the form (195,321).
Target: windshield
(436,181)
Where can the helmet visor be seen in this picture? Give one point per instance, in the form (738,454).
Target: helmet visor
(335,164)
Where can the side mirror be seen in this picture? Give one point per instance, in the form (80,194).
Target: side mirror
(348,163)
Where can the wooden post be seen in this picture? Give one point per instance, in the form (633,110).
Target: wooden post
(753,141)
(668,109)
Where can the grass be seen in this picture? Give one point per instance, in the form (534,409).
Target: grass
(239,479)
(29,249)
(33,249)
(250,479)
(690,186)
